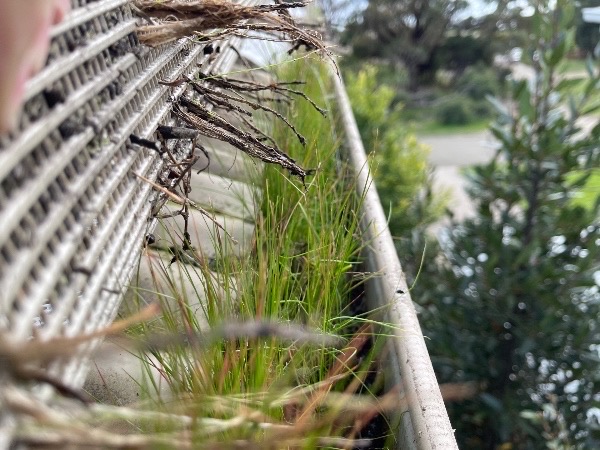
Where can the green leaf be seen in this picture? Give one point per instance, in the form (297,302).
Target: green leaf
(572,108)
(533,416)
(557,54)
(491,401)
(525,107)
(567,84)
(590,109)
(576,179)
(589,66)
(500,107)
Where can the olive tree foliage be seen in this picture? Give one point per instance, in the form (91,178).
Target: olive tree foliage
(511,303)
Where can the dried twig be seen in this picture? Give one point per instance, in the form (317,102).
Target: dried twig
(233,330)
(170,20)
(223,99)
(250,86)
(183,201)
(216,127)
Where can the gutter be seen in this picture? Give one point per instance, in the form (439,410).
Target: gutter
(424,421)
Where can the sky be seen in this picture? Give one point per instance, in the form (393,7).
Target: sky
(479,8)
(476,8)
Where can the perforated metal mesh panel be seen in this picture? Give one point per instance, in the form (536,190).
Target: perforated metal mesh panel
(73,214)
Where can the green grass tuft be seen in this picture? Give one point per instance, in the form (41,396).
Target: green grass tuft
(266,393)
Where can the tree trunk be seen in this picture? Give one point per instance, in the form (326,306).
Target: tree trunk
(413,77)
(419,75)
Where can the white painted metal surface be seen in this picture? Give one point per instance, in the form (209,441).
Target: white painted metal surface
(73,214)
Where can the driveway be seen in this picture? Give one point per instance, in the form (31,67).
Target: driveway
(449,155)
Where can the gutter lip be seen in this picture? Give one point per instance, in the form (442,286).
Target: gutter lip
(428,426)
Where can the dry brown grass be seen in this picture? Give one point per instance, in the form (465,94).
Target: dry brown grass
(190,422)
(210,20)
(170,20)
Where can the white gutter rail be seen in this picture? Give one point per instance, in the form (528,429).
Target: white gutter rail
(426,426)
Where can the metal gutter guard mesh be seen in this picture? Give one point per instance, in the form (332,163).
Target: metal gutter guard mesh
(73,214)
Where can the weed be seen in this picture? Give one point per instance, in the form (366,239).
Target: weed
(258,391)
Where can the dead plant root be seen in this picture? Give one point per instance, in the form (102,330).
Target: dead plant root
(210,20)
(175,19)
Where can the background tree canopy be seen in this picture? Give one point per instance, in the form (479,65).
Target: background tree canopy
(420,36)
(406,32)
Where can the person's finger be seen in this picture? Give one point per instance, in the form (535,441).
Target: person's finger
(21,25)
(61,9)
(24,42)
(38,51)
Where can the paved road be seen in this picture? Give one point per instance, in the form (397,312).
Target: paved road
(449,155)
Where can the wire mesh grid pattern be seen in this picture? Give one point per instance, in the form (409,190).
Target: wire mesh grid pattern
(73,212)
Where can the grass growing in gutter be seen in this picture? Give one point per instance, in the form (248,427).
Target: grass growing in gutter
(265,393)
(237,377)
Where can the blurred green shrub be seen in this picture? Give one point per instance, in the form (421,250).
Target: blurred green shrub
(455,110)
(478,82)
(400,162)
(512,301)
(469,102)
